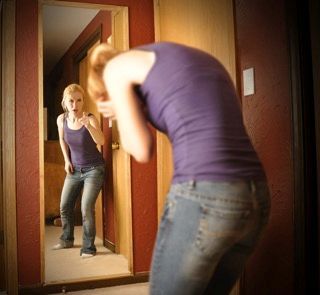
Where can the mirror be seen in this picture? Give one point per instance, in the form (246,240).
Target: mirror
(69,32)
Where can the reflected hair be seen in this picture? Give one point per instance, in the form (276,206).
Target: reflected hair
(97,62)
(71,88)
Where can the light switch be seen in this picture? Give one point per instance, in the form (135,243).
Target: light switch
(248,82)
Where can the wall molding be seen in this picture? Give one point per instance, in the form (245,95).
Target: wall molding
(82,285)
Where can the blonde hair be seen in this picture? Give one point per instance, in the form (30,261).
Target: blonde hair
(71,88)
(97,62)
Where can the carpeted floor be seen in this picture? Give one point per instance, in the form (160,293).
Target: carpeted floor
(67,265)
(133,289)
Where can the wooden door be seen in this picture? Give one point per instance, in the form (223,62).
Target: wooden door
(90,107)
(121,175)
(204,24)
(2,263)
(121,159)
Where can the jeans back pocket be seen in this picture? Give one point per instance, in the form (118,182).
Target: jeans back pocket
(220,227)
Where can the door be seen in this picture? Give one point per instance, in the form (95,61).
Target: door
(91,108)
(207,25)
(116,206)
(120,159)
(2,267)
(204,24)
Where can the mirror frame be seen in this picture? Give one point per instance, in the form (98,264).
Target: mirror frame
(120,40)
(8,117)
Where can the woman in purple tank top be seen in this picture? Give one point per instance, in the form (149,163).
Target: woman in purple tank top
(79,135)
(218,204)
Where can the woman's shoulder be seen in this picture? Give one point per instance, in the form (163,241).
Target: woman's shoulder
(61,118)
(131,66)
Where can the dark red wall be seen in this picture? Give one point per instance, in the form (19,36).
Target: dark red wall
(144,202)
(141,28)
(27,142)
(262,43)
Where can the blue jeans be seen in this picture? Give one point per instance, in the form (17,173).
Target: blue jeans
(89,180)
(207,232)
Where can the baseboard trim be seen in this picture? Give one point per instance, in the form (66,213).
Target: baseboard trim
(109,245)
(140,277)
(36,289)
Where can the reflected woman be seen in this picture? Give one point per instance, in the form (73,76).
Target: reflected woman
(79,135)
(218,204)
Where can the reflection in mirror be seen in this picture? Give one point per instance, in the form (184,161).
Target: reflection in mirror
(69,34)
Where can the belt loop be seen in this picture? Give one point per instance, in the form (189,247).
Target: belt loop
(191,184)
(253,195)
(252,186)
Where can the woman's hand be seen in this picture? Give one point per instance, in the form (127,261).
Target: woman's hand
(106,108)
(84,120)
(68,168)
(93,126)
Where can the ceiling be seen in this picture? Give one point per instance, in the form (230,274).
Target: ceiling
(61,26)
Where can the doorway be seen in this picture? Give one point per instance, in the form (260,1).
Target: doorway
(114,199)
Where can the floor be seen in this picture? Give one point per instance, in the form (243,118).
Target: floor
(133,289)
(67,265)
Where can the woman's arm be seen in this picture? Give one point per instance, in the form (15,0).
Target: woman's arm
(64,147)
(92,124)
(120,76)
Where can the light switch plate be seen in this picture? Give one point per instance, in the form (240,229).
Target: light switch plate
(248,82)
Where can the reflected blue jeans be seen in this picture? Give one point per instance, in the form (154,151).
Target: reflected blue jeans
(89,180)
(207,232)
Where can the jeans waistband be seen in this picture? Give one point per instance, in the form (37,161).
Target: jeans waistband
(193,184)
(238,191)
(86,169)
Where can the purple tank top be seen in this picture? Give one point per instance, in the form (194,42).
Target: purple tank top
(190,96)
(83,150)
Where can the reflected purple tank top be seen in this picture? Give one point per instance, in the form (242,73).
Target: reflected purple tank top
(191,97)
(83,150)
